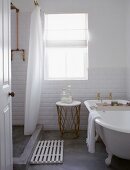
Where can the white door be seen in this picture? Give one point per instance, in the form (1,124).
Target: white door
(5,88)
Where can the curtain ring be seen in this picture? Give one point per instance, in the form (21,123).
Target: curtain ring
(35,2)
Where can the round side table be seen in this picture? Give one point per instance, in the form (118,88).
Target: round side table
(69,121)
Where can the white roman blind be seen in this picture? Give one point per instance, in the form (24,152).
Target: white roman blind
(66,55)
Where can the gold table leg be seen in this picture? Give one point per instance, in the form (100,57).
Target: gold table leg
(73,122)
(75,115)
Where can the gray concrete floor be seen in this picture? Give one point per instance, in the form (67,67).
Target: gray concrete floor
(76,156)
(19,140)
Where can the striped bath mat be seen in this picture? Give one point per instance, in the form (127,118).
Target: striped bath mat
(48,152)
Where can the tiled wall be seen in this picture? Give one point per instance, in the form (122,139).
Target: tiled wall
(103,80)
(128,83)
(128,48)
(19,67)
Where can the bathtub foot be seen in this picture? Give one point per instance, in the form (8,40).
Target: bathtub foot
(108,159)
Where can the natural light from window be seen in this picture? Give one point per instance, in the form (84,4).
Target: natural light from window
(66,54)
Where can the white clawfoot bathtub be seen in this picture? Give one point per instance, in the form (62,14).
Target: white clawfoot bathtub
(114,129)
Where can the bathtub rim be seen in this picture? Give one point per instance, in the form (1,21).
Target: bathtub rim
(111,127)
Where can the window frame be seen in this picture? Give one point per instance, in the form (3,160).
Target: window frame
(46,74)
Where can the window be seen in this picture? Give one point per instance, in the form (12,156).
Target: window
(66,55)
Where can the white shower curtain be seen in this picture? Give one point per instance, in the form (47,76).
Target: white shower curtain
(34,73)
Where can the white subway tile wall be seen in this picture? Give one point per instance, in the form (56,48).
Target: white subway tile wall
(103,80)
(128,83)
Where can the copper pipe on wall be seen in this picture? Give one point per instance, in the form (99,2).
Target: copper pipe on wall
(17,23)
(14,7)
(17,34)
